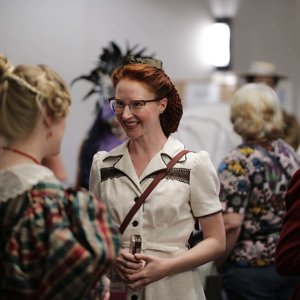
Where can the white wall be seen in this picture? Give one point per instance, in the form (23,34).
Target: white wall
(69,35)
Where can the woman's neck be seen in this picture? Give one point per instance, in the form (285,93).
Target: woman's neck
(146,147)
(18,153)
(22,153)
(143,150)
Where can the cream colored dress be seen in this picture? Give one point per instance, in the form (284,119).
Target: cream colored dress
(166,219)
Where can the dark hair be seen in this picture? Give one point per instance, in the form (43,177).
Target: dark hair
(158,82)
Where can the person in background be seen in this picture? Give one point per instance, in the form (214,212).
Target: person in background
(54,243)
(149,109)
(254,177)
(287,258)
(105,134)
(265,72)
(291,130)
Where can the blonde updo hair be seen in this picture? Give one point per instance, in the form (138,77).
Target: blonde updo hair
(27,92)
(256,112)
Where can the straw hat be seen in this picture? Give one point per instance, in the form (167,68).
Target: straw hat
(261,68)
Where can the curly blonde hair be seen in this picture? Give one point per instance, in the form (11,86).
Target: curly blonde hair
(26,93)
(256,112)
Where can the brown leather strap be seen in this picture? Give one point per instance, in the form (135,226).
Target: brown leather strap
(149,189)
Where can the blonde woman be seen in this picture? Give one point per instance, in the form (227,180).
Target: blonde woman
(55,243)
(254,177)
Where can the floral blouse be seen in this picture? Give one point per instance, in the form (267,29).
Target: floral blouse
(254,185)
(54,243)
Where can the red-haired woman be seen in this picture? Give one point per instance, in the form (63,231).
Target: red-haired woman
(149,108)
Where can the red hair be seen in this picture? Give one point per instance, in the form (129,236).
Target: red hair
(158,82)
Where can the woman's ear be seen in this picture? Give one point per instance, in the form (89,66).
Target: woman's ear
(163,104)
(47,119)
(48,122)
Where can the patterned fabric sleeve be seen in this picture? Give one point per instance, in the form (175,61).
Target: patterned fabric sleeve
(235,184)
(61,245)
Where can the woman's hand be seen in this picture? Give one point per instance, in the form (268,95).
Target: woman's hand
(126,263)
(106,295)
(155,268)
(106,282)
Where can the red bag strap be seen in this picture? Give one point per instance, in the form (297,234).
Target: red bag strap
(149,189)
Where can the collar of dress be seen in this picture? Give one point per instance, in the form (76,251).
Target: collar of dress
(121,157)
(20,178)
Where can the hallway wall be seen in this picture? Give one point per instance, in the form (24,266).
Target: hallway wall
(69,35)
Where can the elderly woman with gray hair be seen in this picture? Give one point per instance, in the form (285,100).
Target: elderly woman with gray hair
(254,177)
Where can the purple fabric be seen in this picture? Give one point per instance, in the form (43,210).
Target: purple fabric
(109,142)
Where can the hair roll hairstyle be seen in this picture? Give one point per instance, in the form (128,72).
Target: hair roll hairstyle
(26,93)
(256,112)
(159,83)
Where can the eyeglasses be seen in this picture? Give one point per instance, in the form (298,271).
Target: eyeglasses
(118,105)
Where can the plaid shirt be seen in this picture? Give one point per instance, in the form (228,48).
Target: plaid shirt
(54,244)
